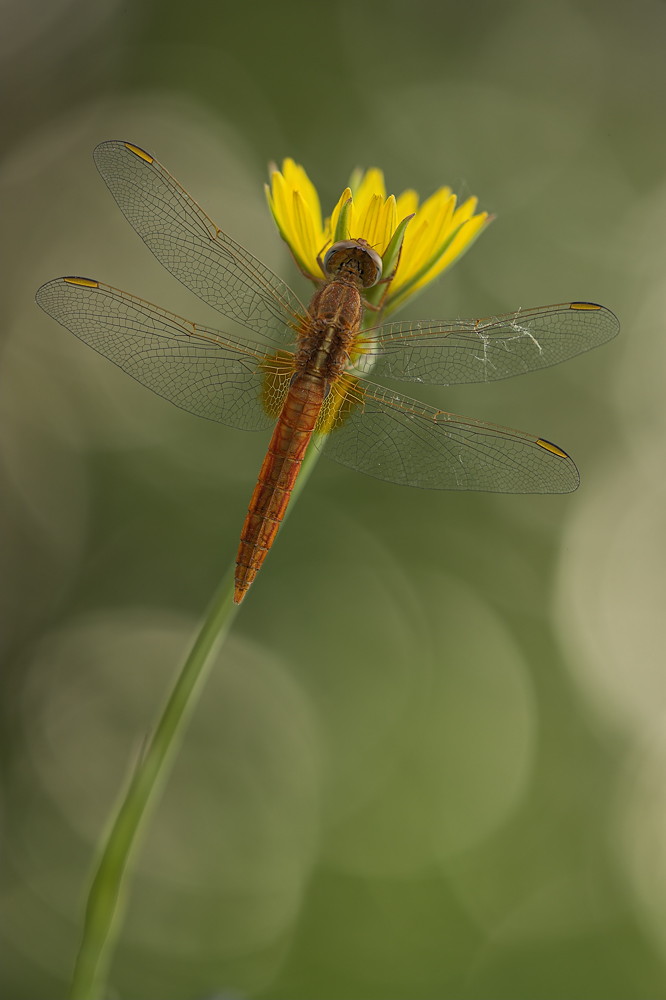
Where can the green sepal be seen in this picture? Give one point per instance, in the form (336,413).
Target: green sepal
(342,225)
(392,252)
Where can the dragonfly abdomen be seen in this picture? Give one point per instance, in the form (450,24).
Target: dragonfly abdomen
(277,476)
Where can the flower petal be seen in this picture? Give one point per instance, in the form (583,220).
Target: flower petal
(281,204)
(461,242)
(371,184)
(304,229)
(466,211)
(407,203)
(415,234)
(430,229)
(366,226)
(298,180)
(437,213)
(386,225)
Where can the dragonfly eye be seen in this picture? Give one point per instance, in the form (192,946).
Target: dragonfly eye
(355,259)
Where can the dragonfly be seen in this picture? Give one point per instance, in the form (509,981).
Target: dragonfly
(303,369)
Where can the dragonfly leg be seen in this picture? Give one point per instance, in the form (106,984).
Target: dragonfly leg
(320,260)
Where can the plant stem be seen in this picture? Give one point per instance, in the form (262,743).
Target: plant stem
(103,910)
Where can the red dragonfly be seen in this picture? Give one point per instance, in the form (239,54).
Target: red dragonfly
(307,379)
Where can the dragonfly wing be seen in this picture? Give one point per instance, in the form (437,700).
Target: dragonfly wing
(374,430)
(192,248)
(483,350)
(198,369)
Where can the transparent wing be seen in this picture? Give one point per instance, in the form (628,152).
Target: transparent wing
(198,369)
(192,248)
(482,350)
(376,431)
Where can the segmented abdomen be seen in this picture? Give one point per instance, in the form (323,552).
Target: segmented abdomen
(277,477)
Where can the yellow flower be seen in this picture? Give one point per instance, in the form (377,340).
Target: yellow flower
(436,236)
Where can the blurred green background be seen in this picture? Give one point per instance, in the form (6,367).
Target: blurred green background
(431,760)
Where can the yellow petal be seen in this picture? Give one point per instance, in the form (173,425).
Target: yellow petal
(415,235)
(386,226)
(437,212)
(460,243)
(366,226)
(432,204)
(465,212)
(372,184)
(298,180)
(281,203)
(428,230)
(407,203)
(305,233)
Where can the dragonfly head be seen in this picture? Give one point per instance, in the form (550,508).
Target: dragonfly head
(355,261)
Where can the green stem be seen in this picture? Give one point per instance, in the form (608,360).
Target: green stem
(103,910)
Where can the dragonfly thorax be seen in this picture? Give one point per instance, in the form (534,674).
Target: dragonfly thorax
(354,261)
(334,315)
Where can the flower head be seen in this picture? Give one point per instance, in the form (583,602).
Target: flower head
(416,242)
